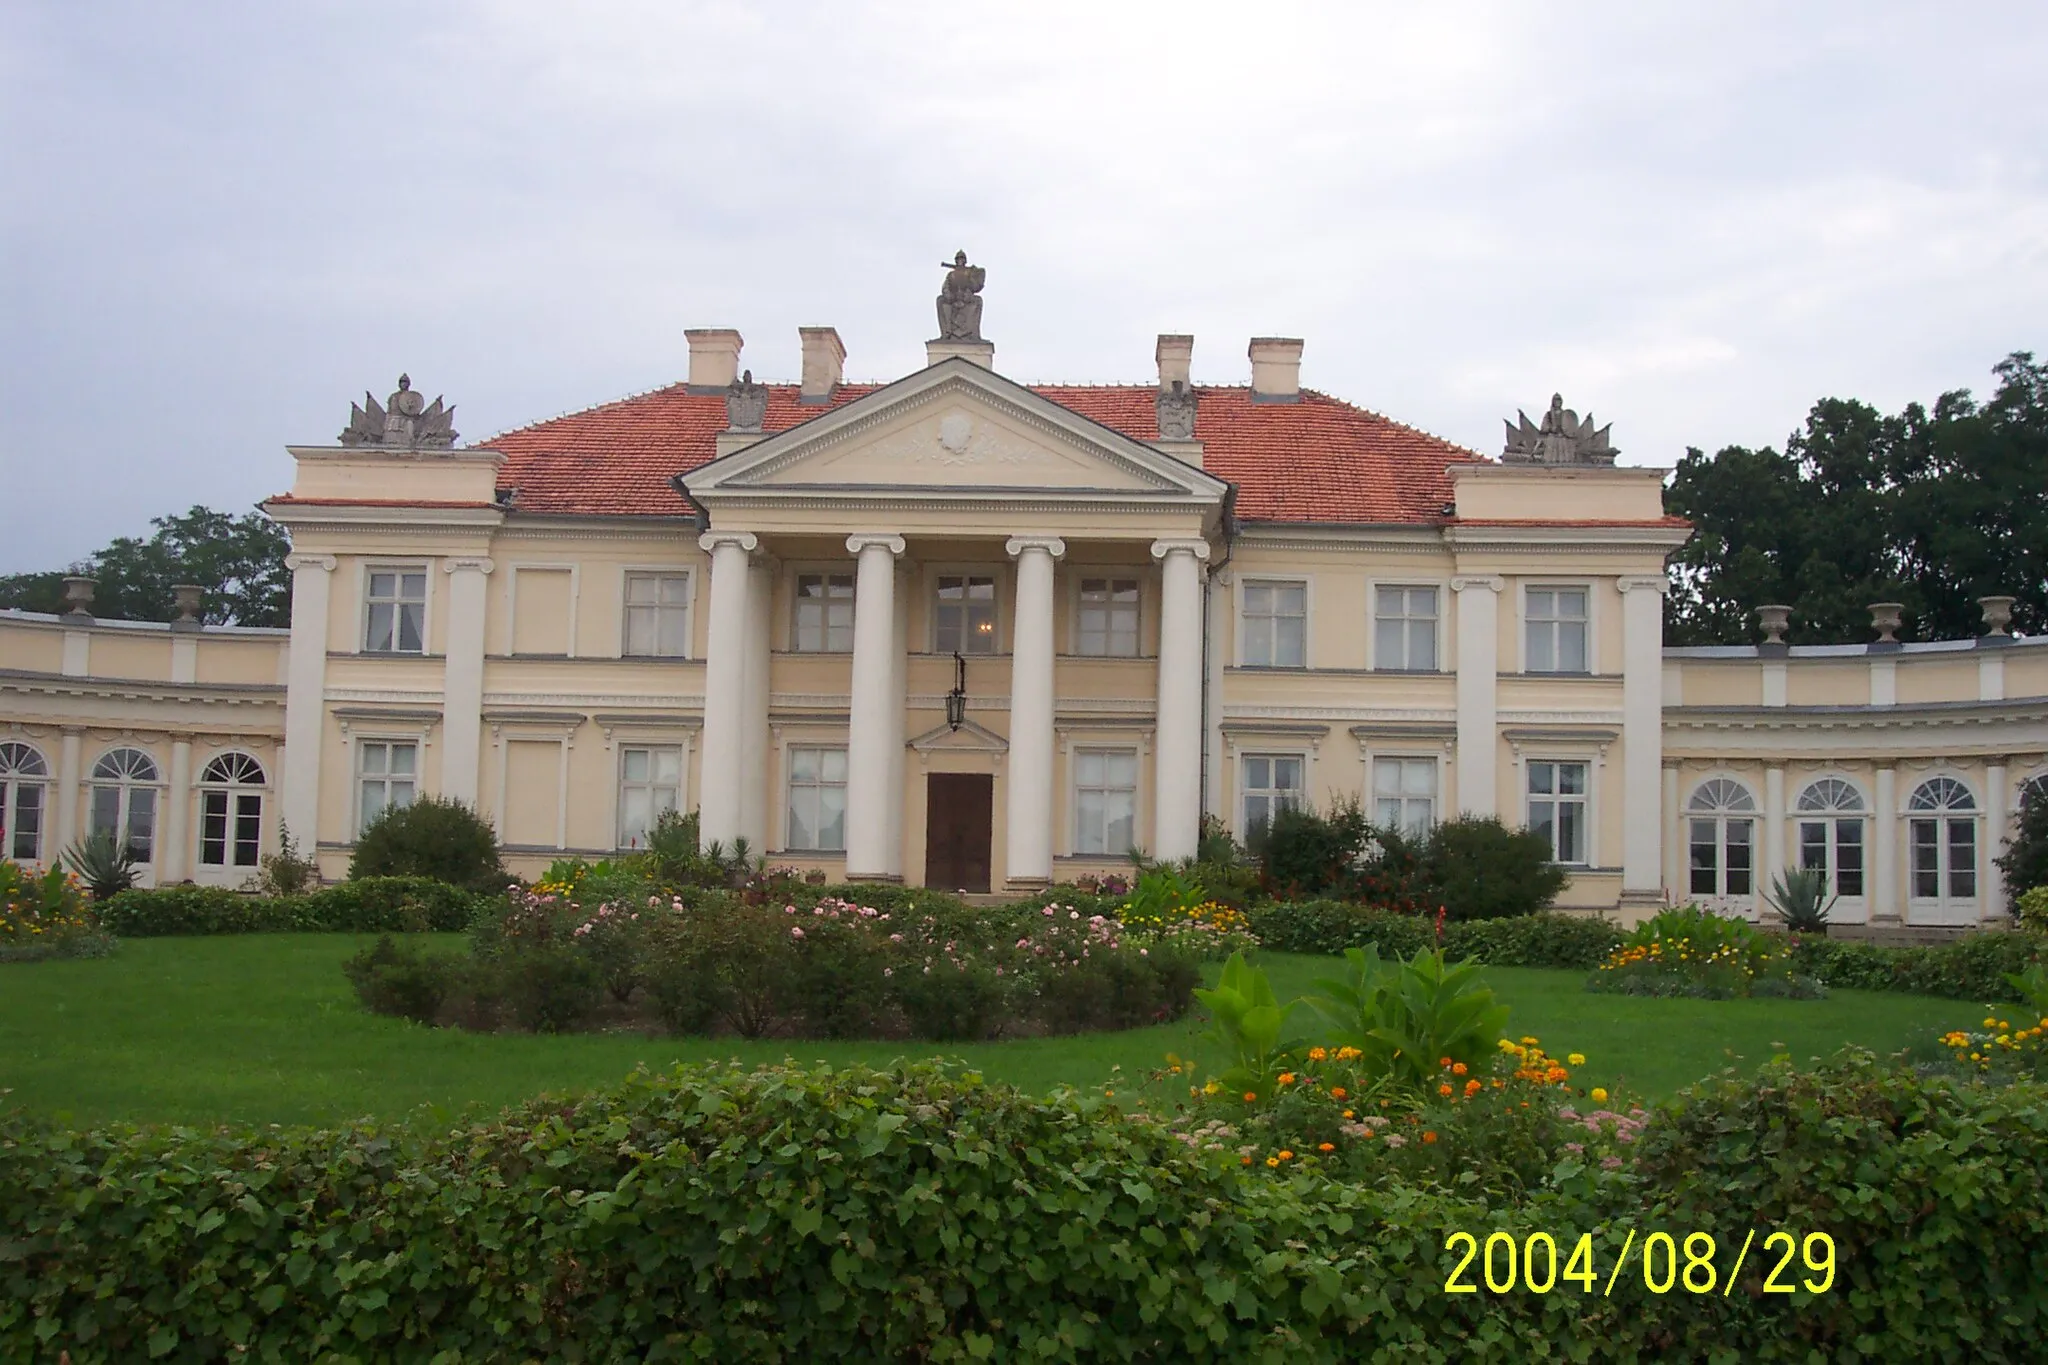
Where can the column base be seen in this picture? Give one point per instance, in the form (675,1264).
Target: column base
(1026,885)
(887,878)
(1636,906)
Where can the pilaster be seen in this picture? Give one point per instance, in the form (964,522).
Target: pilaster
(305,697)
(462,687)
(1478,663)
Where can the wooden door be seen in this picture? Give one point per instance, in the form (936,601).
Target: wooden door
(959,810)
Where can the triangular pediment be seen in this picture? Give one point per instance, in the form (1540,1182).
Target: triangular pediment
(969,738)
(954,429)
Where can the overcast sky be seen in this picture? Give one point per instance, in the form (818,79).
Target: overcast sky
(222,222)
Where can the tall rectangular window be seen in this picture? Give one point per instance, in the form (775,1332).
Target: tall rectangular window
(230,828)
(650,783)
(396,620)
(1834,848)
(1944,858)
(817,798)
(1271,783)
(1404,794)
(657,615)
(1109,617)
(1404,629)
(964,615)
(824,613)
(1275,625)
(1105,800)
(1557,808)
(387,772)
(1556,622)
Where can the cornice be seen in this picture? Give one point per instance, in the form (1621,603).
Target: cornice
(141,689)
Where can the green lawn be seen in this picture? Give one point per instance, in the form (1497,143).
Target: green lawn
(262,1028)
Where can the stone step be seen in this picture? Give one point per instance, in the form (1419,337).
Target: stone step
(1904,935)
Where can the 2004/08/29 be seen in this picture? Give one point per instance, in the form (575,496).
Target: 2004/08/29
(1698,1274)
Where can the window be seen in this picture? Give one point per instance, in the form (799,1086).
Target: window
(824,613)
(1109,617)
(650,783)
(230,814)
(1404,629)
(1105,800)
(1404,794)
(657,615)
(22,788)
(1831,834)
(1721,824)
(1275,625)
(1557,808)
(397,619)
(387,773)
(965,616)
(817,799)
(1942,833)
(1272,783)
(1557,630)
(124,800)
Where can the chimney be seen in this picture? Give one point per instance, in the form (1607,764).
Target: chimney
(824,363)
(1276,369)
(714,358)
(1174,352)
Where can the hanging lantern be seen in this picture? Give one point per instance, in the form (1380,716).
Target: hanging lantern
(956,700)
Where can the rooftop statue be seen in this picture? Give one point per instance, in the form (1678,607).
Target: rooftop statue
(1176,409)
(1563,438)
(406,421)
(960,300)
(746,404)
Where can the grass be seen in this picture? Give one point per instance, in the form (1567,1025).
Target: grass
(262,1028)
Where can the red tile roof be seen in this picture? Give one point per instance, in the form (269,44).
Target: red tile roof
(1317,460)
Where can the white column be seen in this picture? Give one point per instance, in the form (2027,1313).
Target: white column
(1676,888)
(67,796)
(1642,732)
(1478,663)
(1774,832)
(754,694)
(876,708)
(462,686)
(1177,735)
(305,698)
(173,863)
(1995,800)
(899,687)
(1216,799)
(1030,763)
(1884,849)
(725,681)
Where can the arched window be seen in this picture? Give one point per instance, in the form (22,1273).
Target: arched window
(124,784)
(23,784)
(1942,833)
(1722,818)
(1831,832)
(2034,789)
(231,812)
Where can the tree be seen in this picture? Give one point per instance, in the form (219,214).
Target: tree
(238,560)
(1932,509)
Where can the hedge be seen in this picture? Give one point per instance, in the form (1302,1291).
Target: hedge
(1328,927)
(786,1214)
(1974,967)
(367,905)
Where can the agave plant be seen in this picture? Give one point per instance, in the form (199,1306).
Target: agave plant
(103,863)
(1801,897)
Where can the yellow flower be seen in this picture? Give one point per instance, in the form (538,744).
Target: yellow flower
(1599,1095)
(1577,1059)
(1316,1054)
(1347,1113)
(1272,1161)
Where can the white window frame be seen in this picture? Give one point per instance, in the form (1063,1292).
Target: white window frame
(1247,756)
(796,601)
(622,785)
(1112,575)
(1405,756)
(1834,817)
(1590,826)
(1308,615)
(1944,819)
(1442,589)
(357,776)
(1522,623)
(231,794)
(124,807)
(1075,787)
(1001,580)
(1721,815)
(790,785)
(425,567)
(11,783)
(627,573)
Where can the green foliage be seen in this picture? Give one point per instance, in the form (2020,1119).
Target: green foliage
(1472,868)
(1247,1021)
(44,915)
(2031,986)
(1160,890)
(1800,896)
(1929,508)
(1306,853)
(104,863)
(1693,952)
(551,988)
(1973,967)
(1407,1016)
(404,981)
(1475,867)
(2032,909)
(1328,928)
(238,560)
(2025,860)
(285,872)
(370,905)
(445,840)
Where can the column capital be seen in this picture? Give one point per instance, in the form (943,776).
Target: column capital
(325,563)
(861,540)
(1193,545)
(1656,582)
(712,541)
(1493,581)
(480,563)
(1018,545)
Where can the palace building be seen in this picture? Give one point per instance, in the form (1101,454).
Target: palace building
(960,631)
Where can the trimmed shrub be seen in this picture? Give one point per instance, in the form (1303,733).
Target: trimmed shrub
(551,989)
(404,981)
(371,905)
(1974,967)
(1328,928)
(1478,868)
(445,840)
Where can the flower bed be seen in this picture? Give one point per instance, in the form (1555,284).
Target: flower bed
(45,914)
(1693,952)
